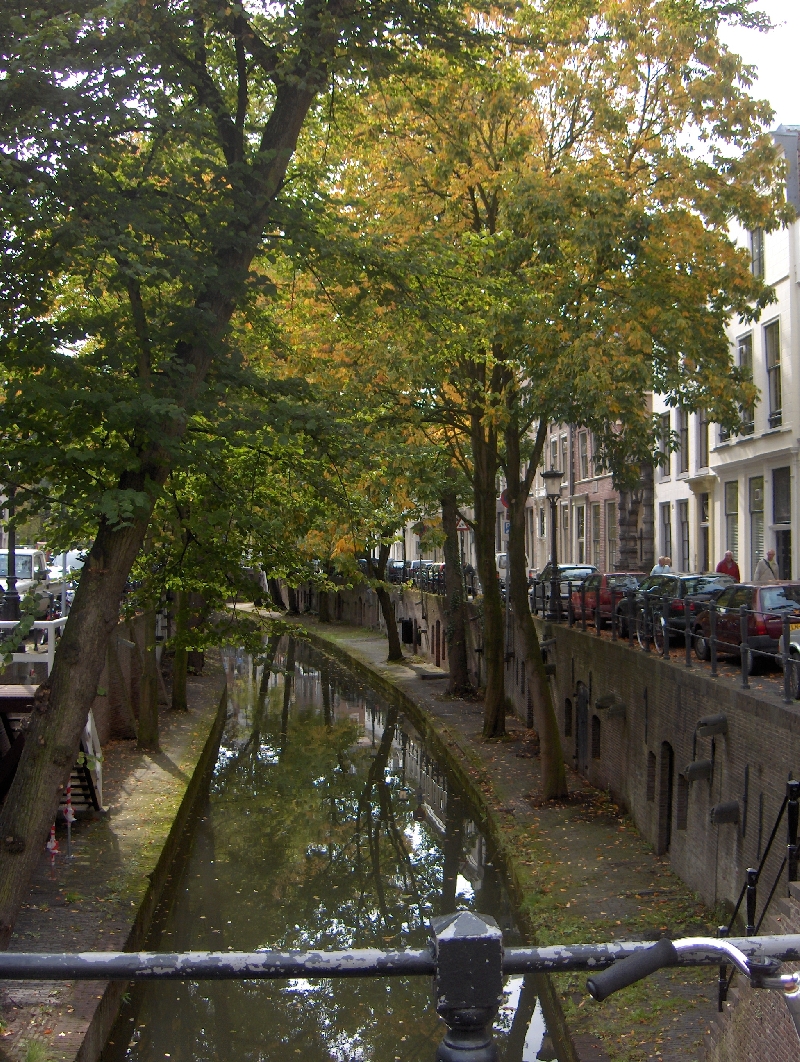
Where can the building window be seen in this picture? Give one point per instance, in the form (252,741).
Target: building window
(597,560)
(705,544)
(756,491)
(782,514)
(732,518)
(702,439)
(683,521)
(683,440)
(580,533)
(745,357)
(583,454)
(564,460)
(772,350)
(666,530)
(553,452)
(757,253)
(566,551)
(611,536)
(542,523)
(663,446)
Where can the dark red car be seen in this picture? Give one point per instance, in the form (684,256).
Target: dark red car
(766,607)
(604,583)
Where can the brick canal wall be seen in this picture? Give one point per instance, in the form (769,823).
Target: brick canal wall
(628,722)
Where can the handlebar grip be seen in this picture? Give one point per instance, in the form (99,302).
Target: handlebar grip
(631,969)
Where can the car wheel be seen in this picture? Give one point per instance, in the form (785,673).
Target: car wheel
(702,649)
(622,624)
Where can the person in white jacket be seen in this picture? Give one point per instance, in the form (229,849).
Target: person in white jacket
(767,569)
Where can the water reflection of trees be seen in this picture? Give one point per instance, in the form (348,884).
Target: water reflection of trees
(311,840)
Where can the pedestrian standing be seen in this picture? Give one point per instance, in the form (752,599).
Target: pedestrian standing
(728,566)
(664,566)
(767,569)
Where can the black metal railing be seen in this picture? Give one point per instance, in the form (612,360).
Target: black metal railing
(465,957)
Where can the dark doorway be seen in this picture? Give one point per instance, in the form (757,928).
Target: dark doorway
(438,643)
(582,728)
(665,782)
(783,553)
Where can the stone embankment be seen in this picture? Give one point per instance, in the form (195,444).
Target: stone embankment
(579,870)
(104,897)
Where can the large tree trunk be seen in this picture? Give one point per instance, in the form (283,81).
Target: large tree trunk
(181,661)
(553,773)
(62,705)
(147,734)
(455,600)
(484,451)
(385,601)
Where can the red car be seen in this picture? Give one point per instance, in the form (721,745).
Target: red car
(767,605)
(605,583)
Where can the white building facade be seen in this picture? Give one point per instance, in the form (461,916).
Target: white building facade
(739,491)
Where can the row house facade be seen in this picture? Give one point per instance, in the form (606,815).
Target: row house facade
(739,491)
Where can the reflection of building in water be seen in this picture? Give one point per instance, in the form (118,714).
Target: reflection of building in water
(416,774)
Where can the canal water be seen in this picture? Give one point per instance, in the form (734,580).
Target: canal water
(329,824)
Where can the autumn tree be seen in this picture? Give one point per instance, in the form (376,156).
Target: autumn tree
(564,249)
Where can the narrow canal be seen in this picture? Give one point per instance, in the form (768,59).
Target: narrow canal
(328,825)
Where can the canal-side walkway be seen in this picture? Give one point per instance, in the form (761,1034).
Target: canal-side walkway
(103,898)
(579,868)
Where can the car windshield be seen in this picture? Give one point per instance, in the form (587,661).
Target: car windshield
(22,565)
(626,581)
(780,597)
(576,573)
(706,582)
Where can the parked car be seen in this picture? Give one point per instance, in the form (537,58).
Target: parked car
(767,605)
(30,565)
(395,571)
(501,564)
(606,584)
(567,573)
(681,592)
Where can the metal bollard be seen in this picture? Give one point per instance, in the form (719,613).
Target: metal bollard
(583,605)
(750,900)
(597,619)
(687,632)
(712,638)
(744,648)
(665,624)
(786,661)
(468,984)
(570,608)
(613,614)
(630,609)
(792,816)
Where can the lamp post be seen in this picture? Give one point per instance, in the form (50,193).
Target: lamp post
(552,486)
(10,608)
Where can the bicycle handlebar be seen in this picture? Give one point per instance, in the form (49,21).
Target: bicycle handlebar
(665,953)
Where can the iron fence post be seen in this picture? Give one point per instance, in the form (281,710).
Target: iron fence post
(722,980)
(786,661)
(647,613)
(583,605)
(792,816)
(597,620)
(570,609)
(752,885)
(712,638)
(665,625)
(613,615)
(687,632)
(744,648)
(630,608)
(468,984)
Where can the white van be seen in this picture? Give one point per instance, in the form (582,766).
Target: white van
(501,564)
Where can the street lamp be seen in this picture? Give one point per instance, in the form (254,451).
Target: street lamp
(552,486)
(10,609)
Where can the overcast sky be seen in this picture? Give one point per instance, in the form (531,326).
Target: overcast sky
(776,56)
